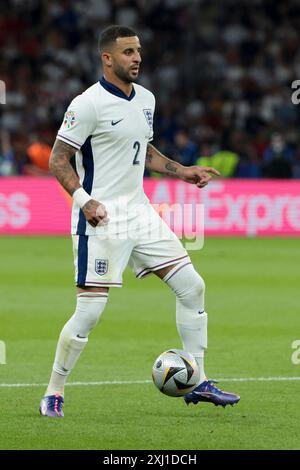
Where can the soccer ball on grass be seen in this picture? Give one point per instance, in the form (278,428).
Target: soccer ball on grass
(175,372)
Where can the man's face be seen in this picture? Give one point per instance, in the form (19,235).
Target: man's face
(125,58)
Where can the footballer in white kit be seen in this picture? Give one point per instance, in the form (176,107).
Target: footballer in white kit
(111,132)
(109,127)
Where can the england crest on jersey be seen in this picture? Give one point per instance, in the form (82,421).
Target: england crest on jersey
(101,266)
(148,116)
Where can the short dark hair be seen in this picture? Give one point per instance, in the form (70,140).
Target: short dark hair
(110,34)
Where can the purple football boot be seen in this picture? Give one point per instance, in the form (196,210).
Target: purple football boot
(206,391)
(51,406)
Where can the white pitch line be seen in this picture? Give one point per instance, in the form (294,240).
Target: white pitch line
(72,384)
(258,379)
(132,382)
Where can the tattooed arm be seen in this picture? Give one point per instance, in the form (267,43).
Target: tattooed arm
(156,161)
(61,168)
(198,175)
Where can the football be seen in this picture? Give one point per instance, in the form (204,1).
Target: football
(175,372)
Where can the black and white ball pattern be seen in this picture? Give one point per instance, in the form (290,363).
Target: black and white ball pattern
(175,372)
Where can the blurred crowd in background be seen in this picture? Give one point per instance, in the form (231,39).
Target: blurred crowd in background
(221,72)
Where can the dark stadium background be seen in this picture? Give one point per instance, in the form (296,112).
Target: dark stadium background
(221,71)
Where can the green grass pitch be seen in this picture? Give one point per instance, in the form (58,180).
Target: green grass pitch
(253,305)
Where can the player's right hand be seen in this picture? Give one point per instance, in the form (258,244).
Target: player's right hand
(95,213)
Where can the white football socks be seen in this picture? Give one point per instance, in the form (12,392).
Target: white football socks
(74,337)
(191,319)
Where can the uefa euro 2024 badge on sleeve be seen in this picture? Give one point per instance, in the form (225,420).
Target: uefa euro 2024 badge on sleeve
(69,119)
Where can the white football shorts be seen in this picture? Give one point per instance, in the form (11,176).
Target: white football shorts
(147,244)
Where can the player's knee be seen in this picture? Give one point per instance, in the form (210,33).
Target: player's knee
(188,286)
(198,288)
(193,286)
(92,315)
(88,312)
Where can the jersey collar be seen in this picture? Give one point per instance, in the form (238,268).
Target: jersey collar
(111,88)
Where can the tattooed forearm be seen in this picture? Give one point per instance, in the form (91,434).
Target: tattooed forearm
(61,168)
(149,155)
(156,161)
(171,168)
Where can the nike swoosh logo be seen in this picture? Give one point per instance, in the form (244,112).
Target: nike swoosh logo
(113,123)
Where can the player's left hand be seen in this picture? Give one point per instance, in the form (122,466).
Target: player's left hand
(198,175)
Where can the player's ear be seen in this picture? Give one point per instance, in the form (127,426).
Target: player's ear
(106,58)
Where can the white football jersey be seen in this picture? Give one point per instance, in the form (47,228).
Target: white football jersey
(111,132)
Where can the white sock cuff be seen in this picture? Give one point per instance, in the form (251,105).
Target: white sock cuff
(92,296)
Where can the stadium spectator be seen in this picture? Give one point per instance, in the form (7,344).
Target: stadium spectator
(278,158)
(185,151)
(39,154)
(224,161)
(6,155)
(296,164)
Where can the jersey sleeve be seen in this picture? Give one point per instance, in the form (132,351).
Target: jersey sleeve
(79,122)
(151,136)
